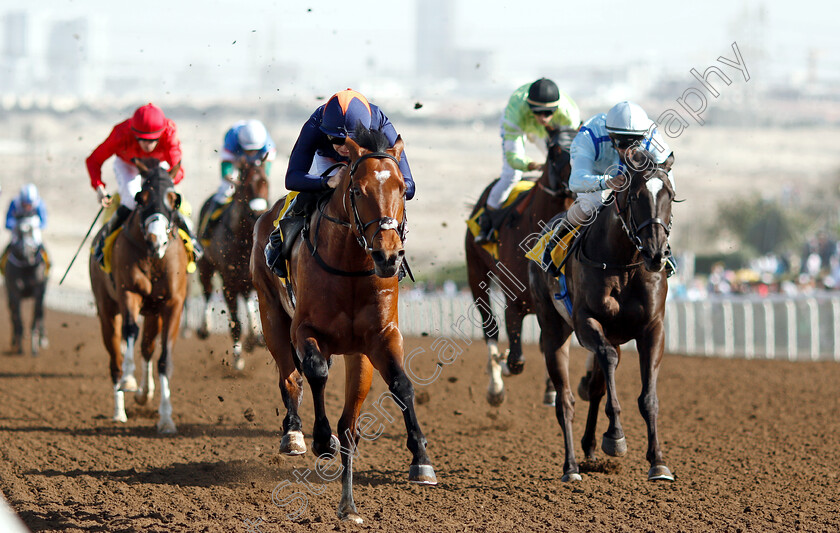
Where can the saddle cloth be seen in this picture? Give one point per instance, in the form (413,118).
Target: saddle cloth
(108,249)
(519,190)
(211,218)
(4,260)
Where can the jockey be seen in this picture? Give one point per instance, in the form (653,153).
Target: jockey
(321,145)
(532,110)
(596,158)
(27,203)
(247,140)
(148,133)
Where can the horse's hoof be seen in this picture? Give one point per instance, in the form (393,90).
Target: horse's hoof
(516,367)
(422,474)
(583,387)
(44,342)
(496,398)
(573,476)
(128,384)
(660,473)
(239,363)
(292,443)
(614,447)
(142,399)
(331,449)
(505,370)
(550,398)
(350,516)
(166,427)
(120,417)
(202,333)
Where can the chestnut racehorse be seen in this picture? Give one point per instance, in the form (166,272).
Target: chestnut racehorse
(618,283)
(343,271)
(229,252)
(550,196)
(148,277)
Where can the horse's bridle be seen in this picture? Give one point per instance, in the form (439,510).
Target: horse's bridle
(385,223)
(631,229)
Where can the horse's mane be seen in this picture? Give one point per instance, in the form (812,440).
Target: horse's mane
(156,174)
(373,140)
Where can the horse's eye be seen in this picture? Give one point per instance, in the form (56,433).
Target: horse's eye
(357,191)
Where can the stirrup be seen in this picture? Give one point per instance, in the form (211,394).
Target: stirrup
(275,261)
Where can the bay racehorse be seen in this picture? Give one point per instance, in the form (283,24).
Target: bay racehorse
(343,271)
(618,283)
(149,277)
(228,252)
(25,273)
(551,195)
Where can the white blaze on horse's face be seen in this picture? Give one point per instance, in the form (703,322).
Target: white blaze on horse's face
(382,175)
(654,185)
(157,234)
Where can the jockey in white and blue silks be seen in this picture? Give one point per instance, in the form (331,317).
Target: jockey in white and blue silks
(27,203)
(596,162)
(246,139)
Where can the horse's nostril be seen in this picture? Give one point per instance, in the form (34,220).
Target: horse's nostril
(378,256)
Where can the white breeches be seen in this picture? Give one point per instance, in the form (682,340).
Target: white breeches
(128,181)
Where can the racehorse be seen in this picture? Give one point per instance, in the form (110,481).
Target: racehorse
(617,280)
(343,272)
(550,195)
(229,251)
(26,277)
(148,277)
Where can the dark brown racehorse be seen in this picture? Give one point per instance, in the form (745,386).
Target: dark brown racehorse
(229,254)
(344,274)
(618,283)
(550,196)
(148,277)
(26,277)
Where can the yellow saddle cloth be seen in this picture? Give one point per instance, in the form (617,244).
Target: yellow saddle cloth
(492,247)
(286,204)
(108,249)
(4,259)
(557,248)
(212,217)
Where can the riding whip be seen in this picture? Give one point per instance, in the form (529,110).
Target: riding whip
(81,244)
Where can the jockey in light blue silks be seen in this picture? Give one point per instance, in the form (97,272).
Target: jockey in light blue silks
(26,204)
(245,140)
(596,158)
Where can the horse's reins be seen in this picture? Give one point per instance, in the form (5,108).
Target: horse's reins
(385,223)
(632,231)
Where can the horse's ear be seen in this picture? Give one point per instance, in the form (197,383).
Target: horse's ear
(356,151)
(140,165)
(666,166)
(397,150)
(174,170)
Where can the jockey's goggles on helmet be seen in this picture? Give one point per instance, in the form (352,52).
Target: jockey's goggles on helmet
(625,141)
(139,139)
(544,112)
(336,140)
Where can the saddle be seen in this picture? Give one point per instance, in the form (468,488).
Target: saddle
(512,207)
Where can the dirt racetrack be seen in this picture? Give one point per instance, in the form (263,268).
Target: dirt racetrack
(754,445)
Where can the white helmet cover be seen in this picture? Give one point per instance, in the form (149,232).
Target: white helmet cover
(627,118)
(252,135)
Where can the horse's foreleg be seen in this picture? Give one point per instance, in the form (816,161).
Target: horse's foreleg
(359,373)
(387,359)
(37,337)
(170,322)
(596,388)
(232,301)
(556,350)
(316,368)
(146,391)
(514,313)
(651,349)
(591,335)
(254,338)
(17,321)
(205,277)
(479,285)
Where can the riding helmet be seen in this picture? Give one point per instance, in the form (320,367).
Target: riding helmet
(543,95)
(252,135)
(344,112)
(627,119)
(28,194)
(148,122)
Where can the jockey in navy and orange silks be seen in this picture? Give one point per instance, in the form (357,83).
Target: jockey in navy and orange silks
(319,146)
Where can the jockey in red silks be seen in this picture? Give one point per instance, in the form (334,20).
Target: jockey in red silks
(148,133)
(320,145)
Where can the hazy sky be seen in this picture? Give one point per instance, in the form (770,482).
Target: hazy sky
(331,40)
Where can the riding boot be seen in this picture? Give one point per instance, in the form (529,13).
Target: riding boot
(110,227)
(490,220)
(198,250)
(292,222)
